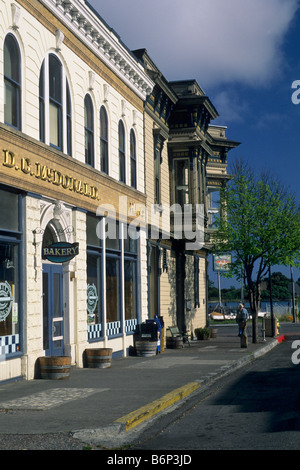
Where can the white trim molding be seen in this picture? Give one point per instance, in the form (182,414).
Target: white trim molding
(103,42)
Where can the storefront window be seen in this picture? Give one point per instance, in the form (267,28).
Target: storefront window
(118,276)
(94,280)
(113,312)
(94,289)
(9,211)
(130,289)
(130,279)
(10,305)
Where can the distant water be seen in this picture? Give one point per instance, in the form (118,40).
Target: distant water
(281,307)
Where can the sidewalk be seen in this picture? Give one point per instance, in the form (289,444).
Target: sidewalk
(109,404)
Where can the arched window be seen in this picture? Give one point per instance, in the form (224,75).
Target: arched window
(132,159)
(55,101)
(89,130)
(55,105)
(12,82)
(42,102)
(122,175)
(103,140)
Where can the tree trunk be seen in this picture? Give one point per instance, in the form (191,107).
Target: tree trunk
(254,312)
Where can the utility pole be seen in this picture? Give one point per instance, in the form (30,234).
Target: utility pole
(219,283)
(293,295)
(271,303)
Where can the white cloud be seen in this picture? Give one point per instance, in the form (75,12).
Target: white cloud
(230,106)
(213,41)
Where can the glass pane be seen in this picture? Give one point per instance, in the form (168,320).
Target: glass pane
(122,166)
(69,106)
(130,289)
(133,173)
(54,115)
(11,104)
(92,230)
(154,283)
(103,124)
(93,289)
(121,137)
(9,213)
(89,151)
(11,59)
(57,329)
(132,144)
(112,289)
(88,113)
(9,299)
(55,79)
(58,344)
(69,121)
(131,241)
(45,311)
(57,312)
(112,235)
(182,182)
(104,156)
(42,103)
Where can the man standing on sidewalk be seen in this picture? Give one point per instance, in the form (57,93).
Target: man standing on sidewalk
(241,318)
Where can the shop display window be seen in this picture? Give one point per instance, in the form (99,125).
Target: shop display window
(10,304)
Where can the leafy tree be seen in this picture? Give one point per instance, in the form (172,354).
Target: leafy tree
(280,287)
(213,292)
(259,225)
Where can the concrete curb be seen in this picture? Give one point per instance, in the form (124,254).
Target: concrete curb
(117,431)
(137,417)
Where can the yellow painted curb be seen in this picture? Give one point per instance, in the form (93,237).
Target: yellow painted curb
(138,416)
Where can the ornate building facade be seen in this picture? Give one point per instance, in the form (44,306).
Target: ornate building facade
(99,154)
(186,165)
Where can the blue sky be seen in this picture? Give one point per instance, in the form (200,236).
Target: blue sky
(245,54)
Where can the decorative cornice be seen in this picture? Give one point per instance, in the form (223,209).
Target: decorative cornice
(102,41)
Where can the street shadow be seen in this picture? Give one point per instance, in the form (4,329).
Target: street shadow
(275,392)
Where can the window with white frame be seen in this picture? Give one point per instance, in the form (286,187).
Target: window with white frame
(89,130)
(12,82)
(132,159)
(213,206)
(55,105)
(103,140)
(181,183)
(122,160)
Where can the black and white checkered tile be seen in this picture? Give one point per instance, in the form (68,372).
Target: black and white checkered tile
(9,344)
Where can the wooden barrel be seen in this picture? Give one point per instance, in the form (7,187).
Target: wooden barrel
(214,332)
(55,367)
(99,358)
(174,342)
(146,348)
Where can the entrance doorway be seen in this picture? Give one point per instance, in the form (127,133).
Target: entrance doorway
(53,315)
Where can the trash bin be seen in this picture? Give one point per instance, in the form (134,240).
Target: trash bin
(157,327)
(146,338)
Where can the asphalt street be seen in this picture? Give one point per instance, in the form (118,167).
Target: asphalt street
(109,408)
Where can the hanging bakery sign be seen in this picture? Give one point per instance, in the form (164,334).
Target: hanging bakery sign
(6,300)
(60,252)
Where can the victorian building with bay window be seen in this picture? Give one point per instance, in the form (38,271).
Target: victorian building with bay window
(186,166)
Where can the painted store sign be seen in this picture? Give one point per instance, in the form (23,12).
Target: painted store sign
(60,252)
